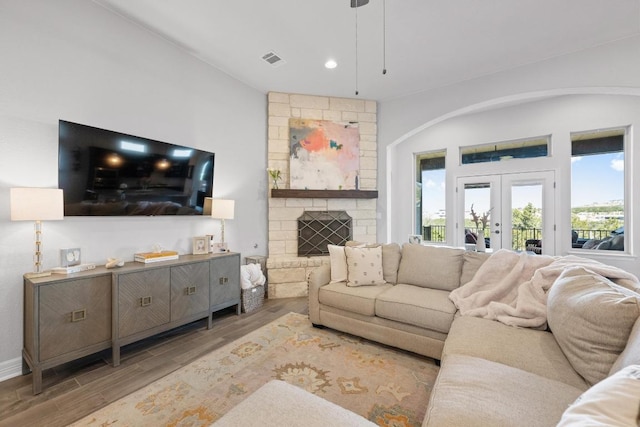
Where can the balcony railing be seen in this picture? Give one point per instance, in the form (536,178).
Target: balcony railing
(522,238)
(592,234)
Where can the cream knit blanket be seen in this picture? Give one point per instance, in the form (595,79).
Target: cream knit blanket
(512,287)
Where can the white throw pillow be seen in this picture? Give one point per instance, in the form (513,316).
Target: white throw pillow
(338,261)
(613,402)
(364,266)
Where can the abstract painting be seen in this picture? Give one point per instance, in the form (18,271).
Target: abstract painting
(324,155)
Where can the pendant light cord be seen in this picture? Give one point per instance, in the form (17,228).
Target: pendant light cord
(384,37)
(356,47)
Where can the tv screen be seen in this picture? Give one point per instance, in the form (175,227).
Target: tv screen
(108,173)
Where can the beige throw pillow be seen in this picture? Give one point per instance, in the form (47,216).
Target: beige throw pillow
(364,266)
(591,319)
(631,353)
(391,255)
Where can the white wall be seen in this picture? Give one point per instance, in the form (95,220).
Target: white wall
(74,60)
(608,69)
(558,117)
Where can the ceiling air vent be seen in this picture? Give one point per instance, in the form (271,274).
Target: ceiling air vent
(273,59)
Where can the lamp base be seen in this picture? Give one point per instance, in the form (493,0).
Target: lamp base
(36,275)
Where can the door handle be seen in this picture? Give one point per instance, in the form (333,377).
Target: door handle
(79,315)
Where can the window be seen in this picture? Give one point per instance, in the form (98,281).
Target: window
(597,190)
(430,196)
(501,151)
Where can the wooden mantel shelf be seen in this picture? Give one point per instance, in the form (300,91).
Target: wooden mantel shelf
(324,194)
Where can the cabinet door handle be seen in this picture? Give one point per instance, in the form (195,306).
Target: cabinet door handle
(145,301)
(190,290)
(224,280)
(79,315)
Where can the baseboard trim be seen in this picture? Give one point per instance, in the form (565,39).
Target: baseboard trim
(10,369)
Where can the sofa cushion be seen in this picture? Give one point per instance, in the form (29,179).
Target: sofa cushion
(631,353)
(475,392)
(531,350)
(391,255)
(430,266)
(591,318)
(472,262)
(364,266)
(614,401)
(361,299)
(428,308)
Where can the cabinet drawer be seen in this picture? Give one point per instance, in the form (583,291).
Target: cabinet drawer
(225,280)
(144,300)
(189,290)
(73,315)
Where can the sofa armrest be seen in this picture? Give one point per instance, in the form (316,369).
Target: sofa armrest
(318,278)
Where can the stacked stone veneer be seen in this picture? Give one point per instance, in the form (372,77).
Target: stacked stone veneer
(287,273)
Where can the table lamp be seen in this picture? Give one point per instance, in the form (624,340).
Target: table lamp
(222,209)
(36,204)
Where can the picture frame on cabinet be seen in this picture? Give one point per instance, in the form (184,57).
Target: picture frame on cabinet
(219,247)
(200,245)
(70,257)
(415,239)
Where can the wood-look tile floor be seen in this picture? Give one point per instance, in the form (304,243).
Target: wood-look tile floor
(75,389)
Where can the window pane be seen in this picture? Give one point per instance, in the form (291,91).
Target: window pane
(430,196)
(526,217)
(477,209)
(597,190)
(507,150)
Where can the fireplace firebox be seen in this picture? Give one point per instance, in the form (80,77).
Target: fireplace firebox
(317,229)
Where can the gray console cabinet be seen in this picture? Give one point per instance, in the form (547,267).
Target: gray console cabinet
(64,319)
(225,283)
(70,316)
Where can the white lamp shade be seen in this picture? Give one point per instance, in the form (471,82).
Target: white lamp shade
(36,204)
(222,208)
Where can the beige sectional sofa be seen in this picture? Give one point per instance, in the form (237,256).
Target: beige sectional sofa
(493,374)
(411,310)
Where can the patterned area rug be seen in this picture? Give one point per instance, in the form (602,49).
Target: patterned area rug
(387,386)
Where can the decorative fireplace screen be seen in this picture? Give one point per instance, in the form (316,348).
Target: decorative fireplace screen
(317,229)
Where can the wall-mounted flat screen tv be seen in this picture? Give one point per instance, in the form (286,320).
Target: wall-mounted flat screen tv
(109,173)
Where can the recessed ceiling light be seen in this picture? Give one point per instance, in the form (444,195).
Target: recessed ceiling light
(331,64)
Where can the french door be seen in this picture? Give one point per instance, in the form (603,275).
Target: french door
(511,211)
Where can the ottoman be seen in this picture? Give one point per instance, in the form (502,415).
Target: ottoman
(279,403)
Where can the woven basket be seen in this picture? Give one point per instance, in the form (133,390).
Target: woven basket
(252,299)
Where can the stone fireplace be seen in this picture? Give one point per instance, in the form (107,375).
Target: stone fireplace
(289,269)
